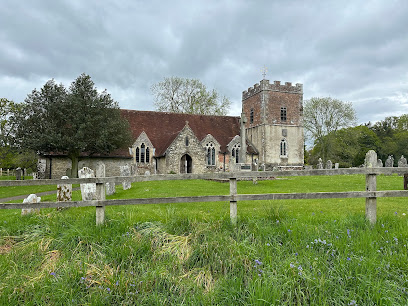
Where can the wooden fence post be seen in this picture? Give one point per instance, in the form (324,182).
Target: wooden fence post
(371,185)
(100,194)
(233,202)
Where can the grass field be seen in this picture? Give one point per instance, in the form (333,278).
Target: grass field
(318,252)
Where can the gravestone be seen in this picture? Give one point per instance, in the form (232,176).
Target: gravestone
(19,173)
(308,167)
(371,159)
(329,164)
(402,162)
(110,188)
(41,167)
(32,198)
(88,191)
(336,166)
(380,163)
(64,192)
(125,171)
(390,161)
(320,164)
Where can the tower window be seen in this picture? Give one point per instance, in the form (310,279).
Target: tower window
(283,113)
(251,116)
(186,141)
(137,154)
(283,148)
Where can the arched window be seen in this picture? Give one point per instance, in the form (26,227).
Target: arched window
(235,152)
(283,148)
(142,153)
(147,155)
(137,154)
(210,150)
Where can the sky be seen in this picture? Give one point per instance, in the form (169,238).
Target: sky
(355,51)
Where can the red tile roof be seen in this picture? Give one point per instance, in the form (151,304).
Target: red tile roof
(162,128)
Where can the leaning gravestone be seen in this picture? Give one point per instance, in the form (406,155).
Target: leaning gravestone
(32,198)
(125,171)
(320,164)
(329,164)
(64,192)
(402,162)
(88,191)
(380,163)
(390,161)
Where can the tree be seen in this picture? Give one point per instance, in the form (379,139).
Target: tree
(323,116)
(180,95)
(73,122)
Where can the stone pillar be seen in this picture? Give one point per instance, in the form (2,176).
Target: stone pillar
(371,185)
(233,202)
(32,198)
(64,192)
(88,191)
(242,155)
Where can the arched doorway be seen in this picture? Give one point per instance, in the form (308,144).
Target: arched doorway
(186,164)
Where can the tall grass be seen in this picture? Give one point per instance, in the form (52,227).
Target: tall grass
(318,252)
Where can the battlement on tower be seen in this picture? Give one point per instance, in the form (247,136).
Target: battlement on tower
(276,86)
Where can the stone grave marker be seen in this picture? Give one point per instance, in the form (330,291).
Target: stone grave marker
(88,191)
(336,166)
(19,173)
(329,164)
(32,198)
(380,163)
(64,192)
(390,161)
(320,164)
(125,171)
(402,162)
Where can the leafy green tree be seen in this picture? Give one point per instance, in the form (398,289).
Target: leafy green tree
(322,116)
(180,95)
(76,122)
(348,146)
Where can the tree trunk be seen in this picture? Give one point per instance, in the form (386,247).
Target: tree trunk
(74,168)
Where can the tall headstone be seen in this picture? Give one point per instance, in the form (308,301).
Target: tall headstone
(88,191)
(336,166)
(64,192)
(320,164)
(19,173)
(380,163)
(402,162)
(32,198)
(329,164)
(41,167)
(125,171)
(390,161)
(110,188)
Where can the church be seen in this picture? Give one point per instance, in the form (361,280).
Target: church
(268,135)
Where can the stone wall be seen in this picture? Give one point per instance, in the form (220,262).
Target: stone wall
(61,166)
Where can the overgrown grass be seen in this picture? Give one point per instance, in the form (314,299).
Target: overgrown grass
(317,252)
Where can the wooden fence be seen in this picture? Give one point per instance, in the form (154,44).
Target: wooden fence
(371,194)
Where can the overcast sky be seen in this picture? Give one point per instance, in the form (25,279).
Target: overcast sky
(355,51)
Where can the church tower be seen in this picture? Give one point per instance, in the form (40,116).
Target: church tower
(274,123)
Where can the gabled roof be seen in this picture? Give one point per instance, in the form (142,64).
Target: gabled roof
(162,128)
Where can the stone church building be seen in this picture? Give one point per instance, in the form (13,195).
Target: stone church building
(268,135)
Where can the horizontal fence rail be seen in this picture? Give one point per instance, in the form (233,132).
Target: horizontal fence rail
(370,194)
(209,176)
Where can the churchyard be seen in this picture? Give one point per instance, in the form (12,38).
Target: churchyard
(313,251)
